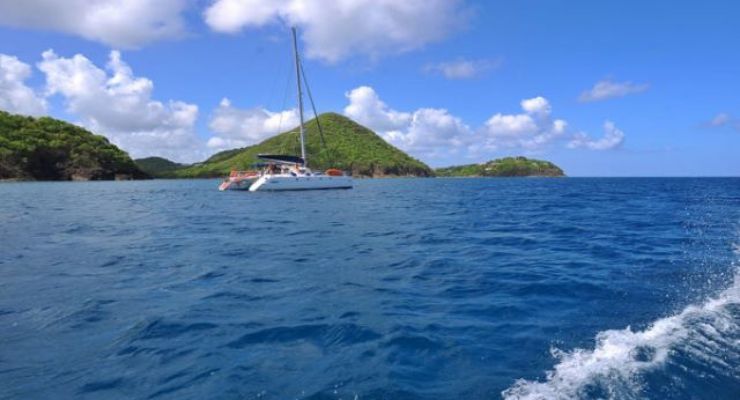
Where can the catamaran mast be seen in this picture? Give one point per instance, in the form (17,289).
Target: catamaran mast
(300,97)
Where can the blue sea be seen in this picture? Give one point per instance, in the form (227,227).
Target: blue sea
(572,288)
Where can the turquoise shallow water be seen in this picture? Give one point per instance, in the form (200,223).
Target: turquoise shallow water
(397,289)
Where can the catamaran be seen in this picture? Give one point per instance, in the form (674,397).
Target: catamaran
(287,172)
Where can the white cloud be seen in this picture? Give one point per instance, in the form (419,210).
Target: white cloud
(613,138)
(425,133)
(433,132)
(439,137)
(15,96)
(538,106)
(366,108)
(117,104)
(607,89)
(118,23)
(236,127)
(462,69)
(724,120)
(532,130)
(501,125)
(336,29)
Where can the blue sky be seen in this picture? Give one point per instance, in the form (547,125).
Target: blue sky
(607,88)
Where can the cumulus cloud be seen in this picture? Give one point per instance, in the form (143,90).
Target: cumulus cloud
(15,96)
(608,89)
(335,29)
(433,133)
(115,103)
(537,106)
(234,127)
(366,108)
(118,23)
(424,133)
(462,69)
(613,138)
(436,135)
(531,130)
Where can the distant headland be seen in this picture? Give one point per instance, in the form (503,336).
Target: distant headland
(504,167)
(47,149)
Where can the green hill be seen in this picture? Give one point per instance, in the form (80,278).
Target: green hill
(158,167)
(50,149)
(503,167)
(349,146)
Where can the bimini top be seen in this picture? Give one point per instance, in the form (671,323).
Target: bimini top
(282,159)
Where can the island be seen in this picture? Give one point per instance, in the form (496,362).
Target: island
(159,167)
(345,145)
(504,167)
(49,149)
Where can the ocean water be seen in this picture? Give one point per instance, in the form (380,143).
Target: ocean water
(399,289)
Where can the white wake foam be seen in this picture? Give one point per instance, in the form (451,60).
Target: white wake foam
(621,355)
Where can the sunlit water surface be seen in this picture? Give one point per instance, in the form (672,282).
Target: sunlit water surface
(398,289)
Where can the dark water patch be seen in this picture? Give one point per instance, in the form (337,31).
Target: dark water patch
(236,252)
(231,295)
(415,343)
(113,262)
(263,280)
(98,386)
(210,275)
(326,335)
(75,228)
(160,329)
(302,233)
(168,389)
(350,314)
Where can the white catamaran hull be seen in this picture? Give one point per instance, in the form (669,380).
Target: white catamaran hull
(310,182)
